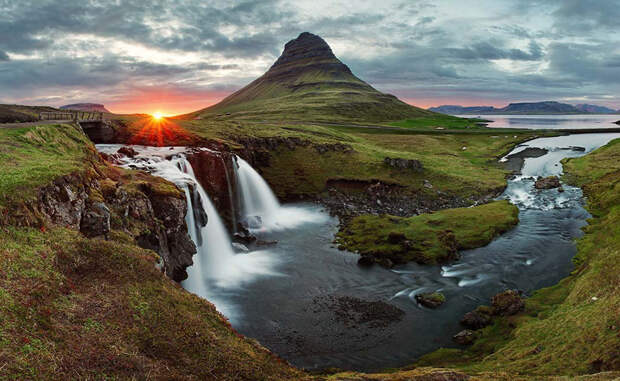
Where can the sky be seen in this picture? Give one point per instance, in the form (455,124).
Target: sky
(180,56)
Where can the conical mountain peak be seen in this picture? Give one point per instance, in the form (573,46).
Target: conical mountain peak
(308,82)
(306,46)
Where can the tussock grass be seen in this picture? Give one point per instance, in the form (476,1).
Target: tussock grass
(428,238)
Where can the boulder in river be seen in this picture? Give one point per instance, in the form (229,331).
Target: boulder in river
(431,299)
(366,260)
(465,337)
(127,151)
(477,319)
(547,182)
(507,303)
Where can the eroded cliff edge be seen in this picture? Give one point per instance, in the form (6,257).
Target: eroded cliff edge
(101,201)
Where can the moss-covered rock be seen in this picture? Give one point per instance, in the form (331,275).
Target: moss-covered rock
(431,300)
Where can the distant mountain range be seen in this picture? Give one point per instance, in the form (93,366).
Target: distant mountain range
(90,107)
(547,107)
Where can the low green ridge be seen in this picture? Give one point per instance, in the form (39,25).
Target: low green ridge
(428,238)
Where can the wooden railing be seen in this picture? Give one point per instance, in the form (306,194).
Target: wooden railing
(78,116)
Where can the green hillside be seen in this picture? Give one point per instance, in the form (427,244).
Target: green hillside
(308,83)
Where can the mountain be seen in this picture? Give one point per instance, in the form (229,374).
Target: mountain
(547,107)
(594,109)
(309,83)
(524,108)
(455,110)
(91,107)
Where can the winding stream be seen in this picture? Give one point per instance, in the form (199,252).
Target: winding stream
(284,295)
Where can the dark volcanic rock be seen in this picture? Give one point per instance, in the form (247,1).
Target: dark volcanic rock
(547,182)
(215,172)
(304,47)
(127,151)
(476,319)
(350,198)
(430,300)
(465,337)
(178,252)
(63,201)
(416,165)
(96,220)
(507,303)
(366,260)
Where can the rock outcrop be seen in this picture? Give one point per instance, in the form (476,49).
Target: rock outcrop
(507,303)
(465,337)
(101,200)
(547,182)
(399,163)
(430,300)
(215,172)
(477,319)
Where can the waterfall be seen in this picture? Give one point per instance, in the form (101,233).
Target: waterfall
(260,209)
(214,247)
(259,206)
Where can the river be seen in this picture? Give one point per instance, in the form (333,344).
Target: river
(295,297)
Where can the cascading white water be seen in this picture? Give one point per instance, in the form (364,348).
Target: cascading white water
(216,266)
(260,208)
(257,199)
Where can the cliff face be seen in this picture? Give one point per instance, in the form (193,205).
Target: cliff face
(104,202)
(215,172)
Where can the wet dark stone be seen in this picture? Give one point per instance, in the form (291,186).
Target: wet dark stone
(465,337)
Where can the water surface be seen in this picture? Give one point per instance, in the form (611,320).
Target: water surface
(549,121)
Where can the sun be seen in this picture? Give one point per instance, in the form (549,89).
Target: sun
(157,115)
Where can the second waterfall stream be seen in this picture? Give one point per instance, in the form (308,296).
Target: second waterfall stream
(218,269)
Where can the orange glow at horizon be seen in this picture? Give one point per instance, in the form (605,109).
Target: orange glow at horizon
(159,132)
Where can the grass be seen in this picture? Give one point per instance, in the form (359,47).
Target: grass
(76,308)
(439,121)
(428,238)
(19,113)
(571,328)
(32,157)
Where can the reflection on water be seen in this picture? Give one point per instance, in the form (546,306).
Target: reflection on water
(549,121)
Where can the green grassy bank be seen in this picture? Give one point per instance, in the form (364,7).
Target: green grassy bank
(573,327)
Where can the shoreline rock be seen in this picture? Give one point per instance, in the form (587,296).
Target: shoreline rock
(431,300)
(549,182)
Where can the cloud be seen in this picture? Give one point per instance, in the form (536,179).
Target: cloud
(106,49)
(488,51)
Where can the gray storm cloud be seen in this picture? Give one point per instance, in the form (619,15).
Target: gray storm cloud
(439,50)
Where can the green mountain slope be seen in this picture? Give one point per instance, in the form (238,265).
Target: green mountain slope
(309,83)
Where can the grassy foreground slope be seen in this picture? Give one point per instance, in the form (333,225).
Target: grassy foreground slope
(573,327)
(79,308)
